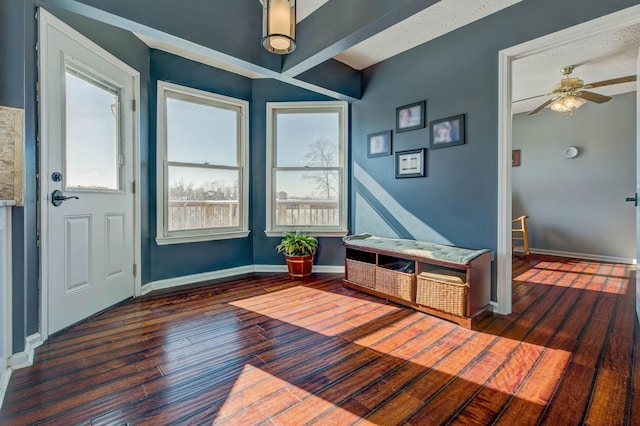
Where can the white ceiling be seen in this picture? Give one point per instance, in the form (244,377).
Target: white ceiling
(597,57)
(432,22)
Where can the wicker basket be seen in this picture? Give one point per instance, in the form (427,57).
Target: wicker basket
(443,291)
(361,273)
(395,283)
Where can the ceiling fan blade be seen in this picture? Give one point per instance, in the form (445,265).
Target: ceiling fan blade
(543,106)
(533,97)
(593,97)
(618,80)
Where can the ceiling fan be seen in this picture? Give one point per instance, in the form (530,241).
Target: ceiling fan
(571,94)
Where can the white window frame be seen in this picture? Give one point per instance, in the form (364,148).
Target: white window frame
(163,235)
(272,230)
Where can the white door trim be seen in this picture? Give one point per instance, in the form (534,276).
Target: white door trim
(46,19)
(620,19)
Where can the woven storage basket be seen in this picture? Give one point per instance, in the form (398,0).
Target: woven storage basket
(394,283)
(361,273)
(442,291)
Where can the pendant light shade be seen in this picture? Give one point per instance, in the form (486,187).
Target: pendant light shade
(279,26)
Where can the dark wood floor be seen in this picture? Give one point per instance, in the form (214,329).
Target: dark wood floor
(268,350)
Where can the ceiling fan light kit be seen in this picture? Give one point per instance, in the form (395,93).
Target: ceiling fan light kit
(567,103)
(570,94)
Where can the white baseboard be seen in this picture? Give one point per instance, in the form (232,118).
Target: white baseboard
(586,256)
(321,269)
(25,358)
(196,278)
(4,383)
(638,300)
(231,272)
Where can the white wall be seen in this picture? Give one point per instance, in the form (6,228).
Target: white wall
(578,205)
(5,294)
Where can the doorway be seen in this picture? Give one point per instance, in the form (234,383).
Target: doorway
(621,19)
(89,221)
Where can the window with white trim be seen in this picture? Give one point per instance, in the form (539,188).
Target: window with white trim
(202,157)
(307,167)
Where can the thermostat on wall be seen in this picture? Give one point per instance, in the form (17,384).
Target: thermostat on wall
(571,152)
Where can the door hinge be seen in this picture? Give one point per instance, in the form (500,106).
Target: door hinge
(121,159)
(133,105)
(133,186)
(135,269)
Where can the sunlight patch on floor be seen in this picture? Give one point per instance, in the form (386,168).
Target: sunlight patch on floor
(254,384)
(305,314)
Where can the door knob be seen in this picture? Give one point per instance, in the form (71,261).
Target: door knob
(633,200)
(57,198)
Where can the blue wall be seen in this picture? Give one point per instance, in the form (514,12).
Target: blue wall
(13,39)
(184,259)
(457,73)
(456,203)
(17,89)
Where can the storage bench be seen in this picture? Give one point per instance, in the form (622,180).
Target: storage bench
(453,283)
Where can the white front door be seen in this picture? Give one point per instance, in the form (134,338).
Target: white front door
(87,174)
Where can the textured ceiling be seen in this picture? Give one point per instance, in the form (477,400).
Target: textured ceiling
(597,57)
(439,19)
(305,8)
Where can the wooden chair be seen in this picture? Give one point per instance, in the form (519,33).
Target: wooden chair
(520,237)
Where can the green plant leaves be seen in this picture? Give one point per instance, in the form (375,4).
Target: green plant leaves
(297,244)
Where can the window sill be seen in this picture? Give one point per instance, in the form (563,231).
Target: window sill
(336,234)
(181,239)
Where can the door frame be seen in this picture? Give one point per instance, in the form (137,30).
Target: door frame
(620,19)
(46,19)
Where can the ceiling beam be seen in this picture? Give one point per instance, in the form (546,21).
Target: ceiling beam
(231,36)
(231,30)
(339,25)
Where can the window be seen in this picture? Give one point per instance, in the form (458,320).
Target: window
(92,112)
(202,158)
(306,168)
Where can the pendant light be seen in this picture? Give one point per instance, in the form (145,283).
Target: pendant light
(279,26)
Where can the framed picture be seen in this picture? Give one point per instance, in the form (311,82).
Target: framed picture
(411,117)
(515,158)
(447,132)
(411,163)
(379,144)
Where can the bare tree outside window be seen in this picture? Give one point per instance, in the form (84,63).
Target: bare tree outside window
(323,153)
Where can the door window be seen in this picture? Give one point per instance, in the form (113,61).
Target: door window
(92,137)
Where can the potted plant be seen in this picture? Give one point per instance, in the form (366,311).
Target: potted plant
(299,250)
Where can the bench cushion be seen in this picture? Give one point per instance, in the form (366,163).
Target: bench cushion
(451,254)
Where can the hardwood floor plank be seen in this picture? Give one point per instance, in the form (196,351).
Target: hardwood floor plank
(592,342)
(536,392)
(498,390)
(609,399)
(571,398)
(359,379)
(443,405)
(266,349)
(618,356)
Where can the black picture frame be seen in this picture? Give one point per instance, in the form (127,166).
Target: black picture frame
(411,117)
(447,132)
(379,144)
(411,164)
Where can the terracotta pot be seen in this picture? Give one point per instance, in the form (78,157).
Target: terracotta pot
(299,266)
